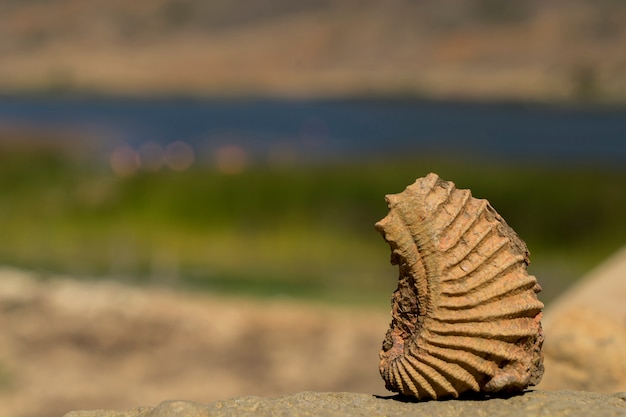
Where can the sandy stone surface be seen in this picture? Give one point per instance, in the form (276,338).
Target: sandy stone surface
(342,404)
(68,345)
(585,347)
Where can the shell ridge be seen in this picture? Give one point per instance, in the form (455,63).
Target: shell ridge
(395,378)
(465,357)
(440,204)
(404,378)
(490,292)
(503,308)
(437,381)
(464,198)
(489,248)
(490,271)
(418,379)
(467,244)
(462,221)
(480,252)
(452,370)
(512,329)
(502,349)
(425,269)
(449,210)
(482,297)
(406,248)
(424,290)
(507,277)
(462,227)
(517,244)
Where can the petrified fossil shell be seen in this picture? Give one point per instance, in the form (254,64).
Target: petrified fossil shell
(465,316)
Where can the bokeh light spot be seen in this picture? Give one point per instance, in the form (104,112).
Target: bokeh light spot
(179,156)
(124,161)
(231,159)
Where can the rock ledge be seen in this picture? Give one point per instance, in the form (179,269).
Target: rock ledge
(532,403)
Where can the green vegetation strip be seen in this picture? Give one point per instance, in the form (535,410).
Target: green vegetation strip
(305,232)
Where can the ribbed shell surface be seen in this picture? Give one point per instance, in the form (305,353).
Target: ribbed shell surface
(465,315)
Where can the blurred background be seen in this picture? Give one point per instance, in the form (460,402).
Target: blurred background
(240,151)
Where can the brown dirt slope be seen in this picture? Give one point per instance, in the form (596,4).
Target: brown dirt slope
(459,48)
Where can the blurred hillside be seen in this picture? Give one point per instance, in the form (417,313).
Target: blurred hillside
(504,49)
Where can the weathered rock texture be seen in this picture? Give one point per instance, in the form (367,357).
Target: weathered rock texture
(465,316)
(530,404)
(586,344)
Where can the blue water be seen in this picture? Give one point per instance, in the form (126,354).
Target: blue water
(339,129)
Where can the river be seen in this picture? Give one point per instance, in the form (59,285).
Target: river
(327,130)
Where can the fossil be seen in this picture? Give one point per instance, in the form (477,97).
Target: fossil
(465,315)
